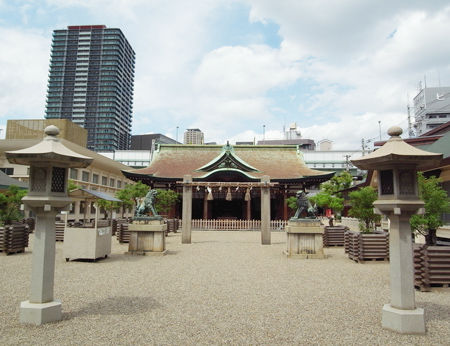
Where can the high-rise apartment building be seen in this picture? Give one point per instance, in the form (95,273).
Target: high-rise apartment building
(193,136)
(91,83)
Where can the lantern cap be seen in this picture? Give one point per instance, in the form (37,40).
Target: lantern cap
(396,152)
(49,150)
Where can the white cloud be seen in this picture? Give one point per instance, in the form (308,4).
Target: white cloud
(347,64)
(24,62)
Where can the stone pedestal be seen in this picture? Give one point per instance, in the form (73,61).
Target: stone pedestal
(147,238)
(40,313)
(304,239)
(41,307)
(411,321)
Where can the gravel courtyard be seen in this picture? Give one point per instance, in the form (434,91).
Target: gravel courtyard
(224,288)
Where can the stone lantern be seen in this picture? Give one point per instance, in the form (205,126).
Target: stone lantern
(396,164)
(49,162)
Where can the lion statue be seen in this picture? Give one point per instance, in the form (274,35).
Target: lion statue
(146,205)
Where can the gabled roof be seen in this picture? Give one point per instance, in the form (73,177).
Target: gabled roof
(6,181)
(440,130)
(442,145)
(92,194)
(227,159)
(280,163)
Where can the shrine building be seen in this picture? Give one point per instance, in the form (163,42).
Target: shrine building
(225,178)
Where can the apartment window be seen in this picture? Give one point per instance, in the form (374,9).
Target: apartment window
(95,178)
(111,182)
(104,181)
(119,184)
(85,176)
(74,173)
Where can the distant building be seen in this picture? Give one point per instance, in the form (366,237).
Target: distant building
(132,158)
(431,108)
(34,129)
(292,136)
(333,160)
(91,83)
(293,132)
(148,141)
(325,145)
(305,144)
(245,143)
(193,136)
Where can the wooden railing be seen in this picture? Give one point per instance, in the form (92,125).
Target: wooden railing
(235,225)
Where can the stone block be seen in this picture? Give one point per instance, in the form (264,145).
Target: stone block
(35,313)
(403,321)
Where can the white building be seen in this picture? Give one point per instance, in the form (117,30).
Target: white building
(193,136)
(431,108)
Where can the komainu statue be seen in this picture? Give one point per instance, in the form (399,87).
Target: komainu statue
(303,205)
(146,205)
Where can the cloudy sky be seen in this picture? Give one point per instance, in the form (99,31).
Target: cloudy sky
(336,68)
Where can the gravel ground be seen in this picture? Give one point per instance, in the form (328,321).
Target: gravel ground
(224,288)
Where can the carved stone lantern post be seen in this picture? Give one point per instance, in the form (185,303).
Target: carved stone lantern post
(396,164)
(49,161)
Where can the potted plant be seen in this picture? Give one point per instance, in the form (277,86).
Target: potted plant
(368,244)
(431,262)
(330,197)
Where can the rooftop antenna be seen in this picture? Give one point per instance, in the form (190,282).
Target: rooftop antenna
(410,129)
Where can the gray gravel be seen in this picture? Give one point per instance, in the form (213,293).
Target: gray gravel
(224,288)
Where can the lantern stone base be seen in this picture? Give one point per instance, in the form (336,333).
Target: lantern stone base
(36,313)
(304,239)
(147,238)
(403,321)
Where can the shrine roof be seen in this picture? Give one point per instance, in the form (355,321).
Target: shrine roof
(279,162)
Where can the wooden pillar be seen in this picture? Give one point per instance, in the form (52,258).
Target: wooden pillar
(265,211)
(205,206)
(187,211)
(249,209)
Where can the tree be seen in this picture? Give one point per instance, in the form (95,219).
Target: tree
(72,186)
(292,202)
(330,195)
(436,203)
(165,200)
(338,183)
(126,200)
(325,200)
(137,191)
(362,207)
(10,204)
(108,206)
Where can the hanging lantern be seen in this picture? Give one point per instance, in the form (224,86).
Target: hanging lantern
(210,196)
(228,197)
(247,195)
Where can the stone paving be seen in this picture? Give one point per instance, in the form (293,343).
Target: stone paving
(224,288)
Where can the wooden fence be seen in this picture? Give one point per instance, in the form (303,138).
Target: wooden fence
(235,225)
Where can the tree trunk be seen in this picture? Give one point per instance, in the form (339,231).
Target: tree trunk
(430,238)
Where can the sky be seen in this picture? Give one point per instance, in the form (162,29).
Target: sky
(341,70)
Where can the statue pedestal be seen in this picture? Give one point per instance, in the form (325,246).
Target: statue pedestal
(304,239)
(147,238)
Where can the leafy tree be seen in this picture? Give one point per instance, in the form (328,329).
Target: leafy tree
(292,202)
(72,186)
(362,207)
(337,183)
(126,200)
(326,200)
(137,191)
(436,203)
(108,206)
(10,204)
(165,200)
